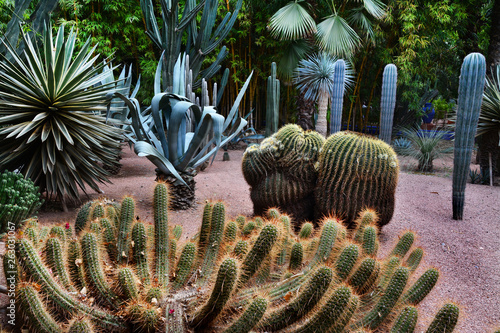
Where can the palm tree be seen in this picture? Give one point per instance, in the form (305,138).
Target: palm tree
(314,78)
(339,34)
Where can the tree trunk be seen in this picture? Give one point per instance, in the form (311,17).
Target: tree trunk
(305,111)
(321,124)
(488,143)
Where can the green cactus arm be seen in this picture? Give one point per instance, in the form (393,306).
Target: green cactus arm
(108,237)
(404,244)
(388,102)
(127,284)
(79,325)
(230,232)
(330,313)
(406,320)
(124,226)
(140,253)
(54,257)
(184,265)
(422,287)
(32,265)
(329,234)
(222,290)
(261,248)
(414,259)
(75,264)
(33,309)
(214,241)
(240,249)
(94,273)
(296,256)
(370,242)
(445,320)
(250,317)
(306,230)
(160,206)
(58,231)
(365,275)
(309,296)
(346,260)
(82,217)
(204,231)
(97,211)
(177,232)
(386,304)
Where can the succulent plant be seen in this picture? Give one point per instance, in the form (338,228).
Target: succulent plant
(356,171)
(19,199)
(281,171)
(49,129)
(470,95)
(339,286)
(273,102)
(388,102)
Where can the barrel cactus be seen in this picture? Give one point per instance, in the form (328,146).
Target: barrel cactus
(281,171)
(470,95)
(332,284)
(19,199)
(356,171)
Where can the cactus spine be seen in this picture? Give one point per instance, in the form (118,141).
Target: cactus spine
(127,284)
(356,171)
(140,253)
(55,261)
(388,102)
(214,240)
(184,265)
(337,96)
(273,100)
(406,321)
(33,309)
(470,96)
(445,320)
(80,326)
(250,317)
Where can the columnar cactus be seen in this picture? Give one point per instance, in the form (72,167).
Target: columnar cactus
(470,96)
(356,171)
(281,171)
(273,102)
(329,282)
(337,96)
(388,102)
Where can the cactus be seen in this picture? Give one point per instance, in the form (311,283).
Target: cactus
(127,284)
(55,261)
(177,232)
(445,320)
(273,102)
(370,241)
(80,326)
(306,230)
(337,96)
(58,231)
(226,280)
(327,283)
(109,237)
(470,95)
(140,253)
(82,217)
(350,165)
(406,321)
(123,239)
(34,311)
(388,102)
(281,172)
(162,247)
(19,199)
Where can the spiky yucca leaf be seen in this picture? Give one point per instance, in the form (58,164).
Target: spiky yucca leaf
(47,120)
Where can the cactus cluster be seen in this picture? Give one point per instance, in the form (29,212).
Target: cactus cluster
(281,171)
(19,200)
(309,178)
(324,279)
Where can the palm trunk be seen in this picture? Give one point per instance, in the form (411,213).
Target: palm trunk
(181,196)
(321,124)
(305,111)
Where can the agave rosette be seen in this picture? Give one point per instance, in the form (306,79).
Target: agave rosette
(49,125)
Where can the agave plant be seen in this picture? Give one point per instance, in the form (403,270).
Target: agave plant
(424,147)
(488,126)
(315,78)
(179,135)
(49,128)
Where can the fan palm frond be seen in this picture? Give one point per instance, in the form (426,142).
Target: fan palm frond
(337,37)
(292,22)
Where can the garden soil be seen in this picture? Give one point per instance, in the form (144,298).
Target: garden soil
(466,252)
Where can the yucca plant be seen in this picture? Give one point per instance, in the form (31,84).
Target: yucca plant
(425,146)
(49,129)
(315,77)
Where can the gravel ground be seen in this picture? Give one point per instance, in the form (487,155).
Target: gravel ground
(466,252)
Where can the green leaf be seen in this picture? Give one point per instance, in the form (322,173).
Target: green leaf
(292,22)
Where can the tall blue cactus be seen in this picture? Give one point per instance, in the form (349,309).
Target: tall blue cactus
(388,102)
(273,100)
(470,95)
(337,96)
